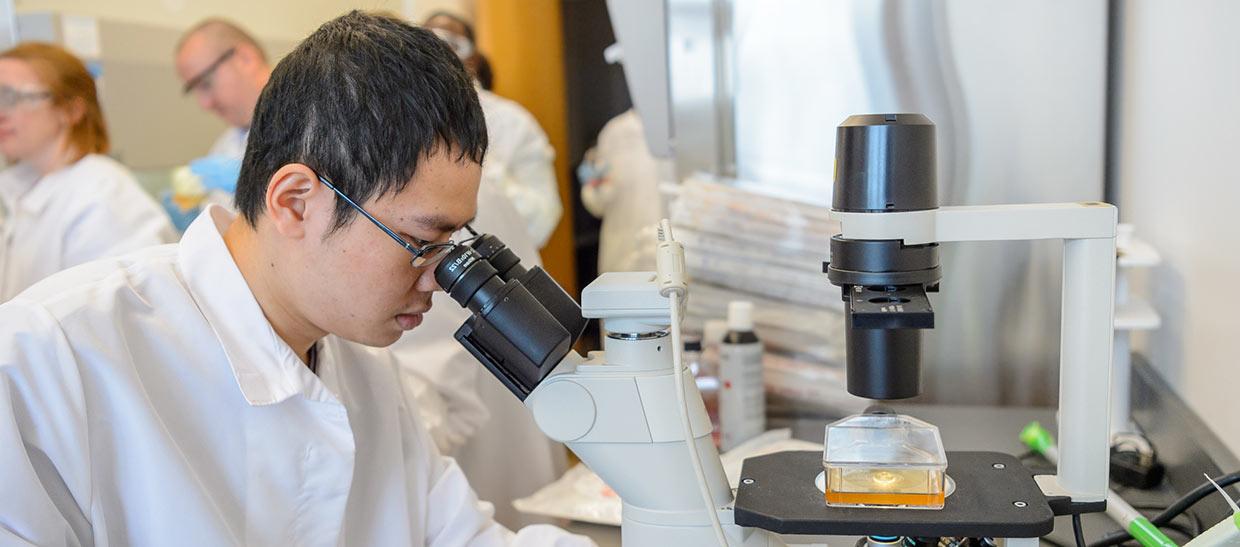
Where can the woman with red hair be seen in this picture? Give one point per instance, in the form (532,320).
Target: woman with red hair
(62,201)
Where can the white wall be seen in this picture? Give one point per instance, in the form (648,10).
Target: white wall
(270,19)
(279,20)
(1180,185)
(153,127)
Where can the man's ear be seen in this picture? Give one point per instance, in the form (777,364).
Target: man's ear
(296,199)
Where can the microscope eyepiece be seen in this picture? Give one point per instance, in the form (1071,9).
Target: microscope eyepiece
(522,322)
(462,273)
(505,262)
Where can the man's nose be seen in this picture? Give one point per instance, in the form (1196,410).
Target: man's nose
(426,281)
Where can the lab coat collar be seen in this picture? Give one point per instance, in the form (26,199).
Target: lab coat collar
(20,188)
(267,370)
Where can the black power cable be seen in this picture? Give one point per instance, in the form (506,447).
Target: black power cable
(1179,530)
(1191,498)
(1175,509)
(1191,515)
(1077,531)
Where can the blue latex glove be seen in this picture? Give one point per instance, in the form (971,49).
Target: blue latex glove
(180,219)
(592,172)
(217,172)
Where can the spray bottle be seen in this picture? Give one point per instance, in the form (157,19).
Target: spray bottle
(742,400)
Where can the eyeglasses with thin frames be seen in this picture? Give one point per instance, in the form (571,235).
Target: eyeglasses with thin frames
(424,256)
(11,97)
(203,79)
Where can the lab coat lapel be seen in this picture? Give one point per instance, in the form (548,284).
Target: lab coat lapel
(17,187)
(266,369)
(297,448)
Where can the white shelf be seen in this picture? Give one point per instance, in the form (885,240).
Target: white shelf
(1137,254)
(1136,314)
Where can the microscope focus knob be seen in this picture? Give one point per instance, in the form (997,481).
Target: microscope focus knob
(563,409)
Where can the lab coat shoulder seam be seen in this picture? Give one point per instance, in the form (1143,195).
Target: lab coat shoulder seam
(116,280)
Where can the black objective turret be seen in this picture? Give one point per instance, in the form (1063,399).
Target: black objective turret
(885,163)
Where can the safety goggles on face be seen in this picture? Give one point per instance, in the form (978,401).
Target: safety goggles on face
(460,45)
(11,97)
(203,79)
(423,256)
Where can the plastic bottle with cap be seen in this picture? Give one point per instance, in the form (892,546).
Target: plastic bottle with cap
(742,397)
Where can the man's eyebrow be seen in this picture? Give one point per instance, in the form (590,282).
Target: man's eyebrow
(441,223)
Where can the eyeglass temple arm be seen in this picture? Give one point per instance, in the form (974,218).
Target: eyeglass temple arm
(408,247)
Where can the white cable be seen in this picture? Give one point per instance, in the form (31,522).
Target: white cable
(673,286)
(694,456)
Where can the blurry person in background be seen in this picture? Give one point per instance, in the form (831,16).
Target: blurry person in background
(469,414)
(62,201)
(520,158)
(619,180)
(224,68)
(620,185)
(483,73)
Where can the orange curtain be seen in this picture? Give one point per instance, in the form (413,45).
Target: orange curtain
(524,41)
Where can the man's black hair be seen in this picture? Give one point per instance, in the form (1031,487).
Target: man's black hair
(361,101)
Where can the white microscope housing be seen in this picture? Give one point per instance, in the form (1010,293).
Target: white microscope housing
(617,410)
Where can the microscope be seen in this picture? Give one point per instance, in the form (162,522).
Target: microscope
(618,409)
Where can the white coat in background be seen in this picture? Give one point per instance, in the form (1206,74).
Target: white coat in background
(91,209)
(469,413)
(231,143)
(146,400)
(626,196)
(521,161)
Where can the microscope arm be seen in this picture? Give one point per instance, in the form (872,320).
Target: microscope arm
(1087,220)
(1088,231)
(617,411)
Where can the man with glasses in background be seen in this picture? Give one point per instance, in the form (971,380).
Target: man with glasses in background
(224,69)
(226,390)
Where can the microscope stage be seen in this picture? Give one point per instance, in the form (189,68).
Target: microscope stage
(995,496)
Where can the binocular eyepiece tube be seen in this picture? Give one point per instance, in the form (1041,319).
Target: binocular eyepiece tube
(522,324)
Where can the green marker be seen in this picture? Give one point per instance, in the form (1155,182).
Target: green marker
(1038,439)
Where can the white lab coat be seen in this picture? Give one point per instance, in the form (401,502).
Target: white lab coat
(231,143)
(469,413)
(90,209)
(146,400)
(628,199)
(521,161)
